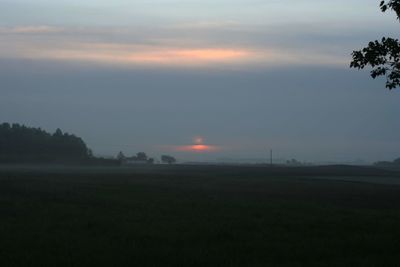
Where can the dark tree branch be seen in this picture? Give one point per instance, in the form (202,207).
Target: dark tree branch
(383,56)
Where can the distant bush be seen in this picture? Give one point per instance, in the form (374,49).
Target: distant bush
(395,163)
(19,143)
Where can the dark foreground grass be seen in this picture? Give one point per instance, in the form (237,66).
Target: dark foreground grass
(197,216)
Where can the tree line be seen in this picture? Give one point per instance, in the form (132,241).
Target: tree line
(141,157)
(22,144)
(19,143)
(394,163)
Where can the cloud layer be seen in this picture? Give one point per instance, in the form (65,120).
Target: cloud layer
(166,46)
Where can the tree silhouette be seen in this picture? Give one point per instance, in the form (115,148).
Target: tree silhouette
(19,143)
(120,156)
(383,56)
(141,156)
(168,159)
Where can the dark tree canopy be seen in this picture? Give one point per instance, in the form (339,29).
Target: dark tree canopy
(121,156)
(168,159)
(141,156)
(19,143)
(391,4)
(383,56)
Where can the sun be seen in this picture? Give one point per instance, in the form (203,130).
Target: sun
(198,140)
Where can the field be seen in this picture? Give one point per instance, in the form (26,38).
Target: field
(199,216)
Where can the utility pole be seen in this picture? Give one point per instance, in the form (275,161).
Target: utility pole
(270,157)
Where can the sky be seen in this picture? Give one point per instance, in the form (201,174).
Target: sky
(242,76)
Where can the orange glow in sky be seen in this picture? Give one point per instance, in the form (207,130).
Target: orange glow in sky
(197,148)
(209,54)
(125,54)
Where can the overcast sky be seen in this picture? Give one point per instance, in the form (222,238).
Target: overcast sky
(246,75)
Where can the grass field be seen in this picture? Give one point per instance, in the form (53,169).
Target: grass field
(199,216)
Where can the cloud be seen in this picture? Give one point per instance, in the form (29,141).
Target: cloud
(139,54)
(29,30)
(166,46)
(205,25)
